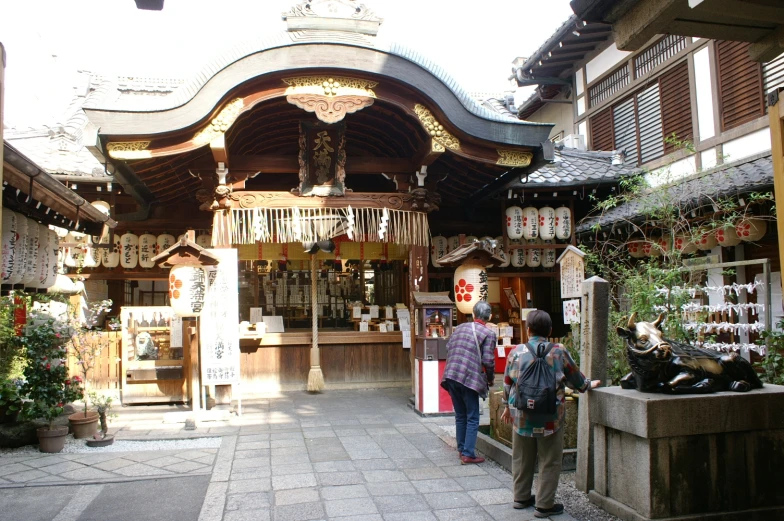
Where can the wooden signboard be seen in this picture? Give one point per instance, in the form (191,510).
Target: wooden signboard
(322,158)
(572,272)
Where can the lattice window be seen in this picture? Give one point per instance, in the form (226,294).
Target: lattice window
(625,126)
(611,84)
(658,53)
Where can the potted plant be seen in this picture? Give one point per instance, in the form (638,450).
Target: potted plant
(102,403)
(47,385)
(86,347)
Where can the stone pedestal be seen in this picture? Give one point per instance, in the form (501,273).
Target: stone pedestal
(694,457)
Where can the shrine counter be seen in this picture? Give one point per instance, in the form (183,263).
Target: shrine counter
(349,359)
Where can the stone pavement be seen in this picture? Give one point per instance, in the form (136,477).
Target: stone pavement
(360,455)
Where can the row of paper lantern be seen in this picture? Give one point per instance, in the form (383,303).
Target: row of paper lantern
(545,223)
(749,230)
(519,258)
(29,252)
(128,250)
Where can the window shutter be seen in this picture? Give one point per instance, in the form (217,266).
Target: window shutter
(676,105)
(740,85)
(650,118)
(773,74)
(601,131)
(625,130)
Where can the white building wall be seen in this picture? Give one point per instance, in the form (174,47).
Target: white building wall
(746,146)
(604,62)
(704,94)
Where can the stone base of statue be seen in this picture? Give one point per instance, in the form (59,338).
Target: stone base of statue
(689,457)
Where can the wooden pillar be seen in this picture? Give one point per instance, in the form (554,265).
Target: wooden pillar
(190,338)
(417,281)
(775,115)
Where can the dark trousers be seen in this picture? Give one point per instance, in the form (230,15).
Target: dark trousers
(465,401)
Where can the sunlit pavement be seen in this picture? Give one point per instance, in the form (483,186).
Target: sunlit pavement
(339,455)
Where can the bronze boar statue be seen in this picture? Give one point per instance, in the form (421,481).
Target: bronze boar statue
(661,365)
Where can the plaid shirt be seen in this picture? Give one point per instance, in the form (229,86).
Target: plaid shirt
(462,356)
(566,373)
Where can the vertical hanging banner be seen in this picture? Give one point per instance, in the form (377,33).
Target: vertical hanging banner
(219,332)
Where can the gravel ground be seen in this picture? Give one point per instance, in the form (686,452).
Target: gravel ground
(73,446)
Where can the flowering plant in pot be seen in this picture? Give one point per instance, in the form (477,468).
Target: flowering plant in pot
(47,385)
(86,346)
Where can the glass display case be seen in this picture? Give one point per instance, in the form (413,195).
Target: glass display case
(434,314)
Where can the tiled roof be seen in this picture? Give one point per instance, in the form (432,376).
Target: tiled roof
(748,175)
(111,101)
(576,167)
(59,148)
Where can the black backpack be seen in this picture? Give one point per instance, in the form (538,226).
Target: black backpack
(536,387)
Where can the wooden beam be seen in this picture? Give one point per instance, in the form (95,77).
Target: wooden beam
(219,152)
(644,20)
(777,150)
(390,200)
(277,164)
(769,47)
(427,154)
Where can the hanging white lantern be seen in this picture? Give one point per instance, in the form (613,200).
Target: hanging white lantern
(706,240)
(514,222)
(636,249)
(147,245)
(205,241)
(452,243)
(111,256)
(727,236)
(20,259)
(530,223)
(684,244)
(129,252)
(98,254)
(187,287)
(438,245)
(533,256)
(546,223)
(751,229)
(106,209)
(61,232)
(9,245)
(548,255)
(499,250)
(518,255)
(91,257)
(52,251)
(31,267)
(43,256)
(563,223)
(470,285)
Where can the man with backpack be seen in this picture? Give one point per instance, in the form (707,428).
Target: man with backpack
(470,348)
(534,391)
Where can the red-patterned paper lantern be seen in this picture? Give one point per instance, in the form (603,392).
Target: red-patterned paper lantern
(636,249)
(530,223)
(651,248)
(546,223)
(751,229)
(470,285)
(727,236)
(684,244)
(514,222)
(706,240)
(187,288)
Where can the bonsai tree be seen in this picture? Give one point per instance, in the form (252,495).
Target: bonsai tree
(47,384)
(102,404)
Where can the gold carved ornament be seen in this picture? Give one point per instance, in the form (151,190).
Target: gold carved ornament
(129,150)
(437,131)
(220,123)
(330,97)
(509,157)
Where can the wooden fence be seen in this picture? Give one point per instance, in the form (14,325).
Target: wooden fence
(107,371)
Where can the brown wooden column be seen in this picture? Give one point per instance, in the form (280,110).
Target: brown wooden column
(775,115)
(417,267)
